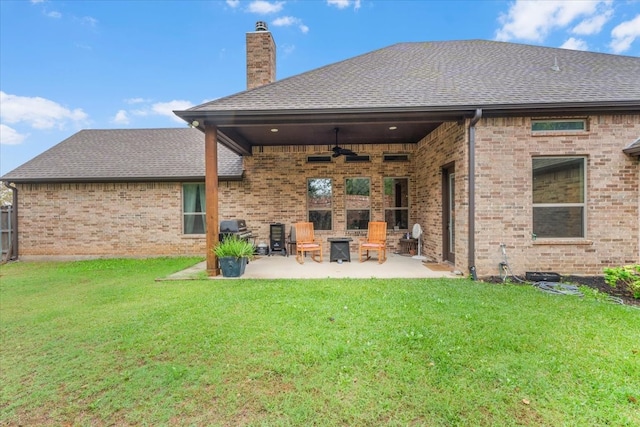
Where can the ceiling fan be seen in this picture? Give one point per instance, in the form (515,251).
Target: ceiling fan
(339,151)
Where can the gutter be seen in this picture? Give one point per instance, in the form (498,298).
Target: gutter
(13,249)
(472,193)
(119,180)
(226,116)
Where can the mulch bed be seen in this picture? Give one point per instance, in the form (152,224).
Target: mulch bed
(595,282)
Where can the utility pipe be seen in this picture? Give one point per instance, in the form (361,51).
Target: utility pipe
(472,193)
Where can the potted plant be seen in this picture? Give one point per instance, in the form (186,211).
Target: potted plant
(233,255)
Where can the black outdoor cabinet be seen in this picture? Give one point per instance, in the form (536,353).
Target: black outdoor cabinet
(277,238)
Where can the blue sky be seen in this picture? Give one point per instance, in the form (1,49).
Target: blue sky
(72,65)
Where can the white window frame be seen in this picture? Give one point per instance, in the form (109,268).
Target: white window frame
(188,217)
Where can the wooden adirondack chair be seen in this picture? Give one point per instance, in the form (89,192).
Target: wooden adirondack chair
(376,240)
(306,242)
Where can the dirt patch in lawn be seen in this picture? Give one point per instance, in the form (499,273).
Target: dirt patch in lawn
(594,282)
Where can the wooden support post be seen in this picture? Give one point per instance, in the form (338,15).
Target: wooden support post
(211,187)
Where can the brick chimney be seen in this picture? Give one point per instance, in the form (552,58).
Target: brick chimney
(261,57)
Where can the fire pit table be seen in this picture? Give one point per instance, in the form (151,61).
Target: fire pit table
(339,250)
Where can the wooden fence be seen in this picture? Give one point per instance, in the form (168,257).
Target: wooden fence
(6,232)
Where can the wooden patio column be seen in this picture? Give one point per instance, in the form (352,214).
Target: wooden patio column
(211,188)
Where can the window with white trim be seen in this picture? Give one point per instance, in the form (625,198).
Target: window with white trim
(193,208)
(559,194)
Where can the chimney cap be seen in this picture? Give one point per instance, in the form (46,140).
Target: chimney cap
(261,26)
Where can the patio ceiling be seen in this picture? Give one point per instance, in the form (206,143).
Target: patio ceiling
(240,131)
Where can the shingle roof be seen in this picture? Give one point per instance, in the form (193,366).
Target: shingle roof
(449,73)
(126,155)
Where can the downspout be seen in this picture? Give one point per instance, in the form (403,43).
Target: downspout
(13,253)
(472,193)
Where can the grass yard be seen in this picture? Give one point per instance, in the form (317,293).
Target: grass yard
(95,343)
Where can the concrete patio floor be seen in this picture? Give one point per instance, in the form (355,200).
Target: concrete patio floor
(282,267)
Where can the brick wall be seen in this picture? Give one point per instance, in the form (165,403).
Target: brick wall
(145,219)
(274,188)
(505,147)
(443,147)
(125,219)
(261,59)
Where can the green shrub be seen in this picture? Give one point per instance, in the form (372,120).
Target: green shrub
(233,246)
(628,276)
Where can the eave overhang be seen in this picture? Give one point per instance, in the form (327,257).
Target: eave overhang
(241,130)
(107,180)
(633,149)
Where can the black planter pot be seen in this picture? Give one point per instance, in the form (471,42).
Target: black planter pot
(232,266)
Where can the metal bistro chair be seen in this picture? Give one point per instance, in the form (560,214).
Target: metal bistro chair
(376,240)
(306,242)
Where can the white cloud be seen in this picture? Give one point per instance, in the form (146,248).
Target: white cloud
(167,108)
(147,109)
(625,34)
(533,20)
(39,113)
(37,1)
(121,117)
(574,44)
(89,21)
(10,136)
(342,4)
(263,7)
(136,100)
(54,14)
(287,21)
(288,49)
(233,3)
(594,24)
(284,21)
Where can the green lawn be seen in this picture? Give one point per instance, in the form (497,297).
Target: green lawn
(95,343)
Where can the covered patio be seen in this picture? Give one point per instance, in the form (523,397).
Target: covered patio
(277,266)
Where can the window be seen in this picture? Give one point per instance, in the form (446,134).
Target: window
(559,197)
(358,203)
(396,203)
(558,125)
(319,198)
(193,208)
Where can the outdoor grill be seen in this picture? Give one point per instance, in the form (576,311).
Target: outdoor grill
(234,227)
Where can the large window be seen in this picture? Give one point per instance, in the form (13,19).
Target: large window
(396,203)
(319,202)
(358,203)
(559,197)
(193,208)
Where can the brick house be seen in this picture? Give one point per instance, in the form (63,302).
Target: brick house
(482,143)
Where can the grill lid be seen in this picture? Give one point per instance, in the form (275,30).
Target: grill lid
(233,226)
